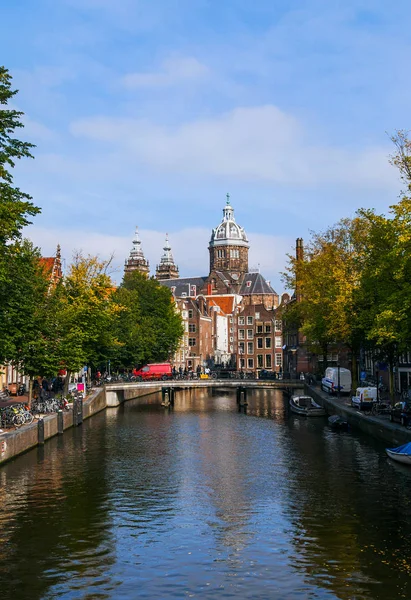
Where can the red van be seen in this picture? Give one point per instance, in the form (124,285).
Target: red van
(154,371)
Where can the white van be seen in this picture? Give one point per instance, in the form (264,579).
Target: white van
(329,382)
(364,398)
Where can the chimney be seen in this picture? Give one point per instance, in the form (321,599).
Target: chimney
(209,289)
(299,249)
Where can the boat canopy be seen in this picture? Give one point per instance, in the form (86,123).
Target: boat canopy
(404,449)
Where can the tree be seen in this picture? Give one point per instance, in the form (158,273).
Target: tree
(325,279)
(15,206)
(87,314)
(25,313)
(149,328)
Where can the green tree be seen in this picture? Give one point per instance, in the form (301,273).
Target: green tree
(87,314)
(26,334)
(149,328)
(15,206)
(325,280)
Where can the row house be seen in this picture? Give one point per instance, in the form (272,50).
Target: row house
(260,341)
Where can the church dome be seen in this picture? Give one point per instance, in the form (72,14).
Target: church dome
(228,233)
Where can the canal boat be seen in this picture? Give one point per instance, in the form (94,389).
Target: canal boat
(338,423)
(401,454)
(305,405)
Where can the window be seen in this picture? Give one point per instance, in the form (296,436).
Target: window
(257,315)
(231,329)
(259,342)
(278,342)
(231,339)
(242,363)
(250,348)
(268,361)
(190,313)
(184,314)
(278,359)
(231,320)
(192,328)
(241,334)
(249,320)
(186,327)
(241,320)
(248,283)
(231,348)
(268,342)
(250,334)
(191,341)
(250,363)
(234,253)
(220,253)
(277,325)
(260,363)
(259,329)
(267,328)
(241,347)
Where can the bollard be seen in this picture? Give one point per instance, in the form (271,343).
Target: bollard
(75,412)
(172,391)
(40,431)
(80,411)
(60,422)
(238,395)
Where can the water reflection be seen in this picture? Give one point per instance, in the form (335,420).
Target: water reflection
(203,501)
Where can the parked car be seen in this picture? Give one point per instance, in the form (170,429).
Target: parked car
(334,376)
(154,371)
(401,412)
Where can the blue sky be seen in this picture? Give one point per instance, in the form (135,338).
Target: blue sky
(146,112)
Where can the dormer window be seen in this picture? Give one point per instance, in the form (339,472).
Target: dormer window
(248,284)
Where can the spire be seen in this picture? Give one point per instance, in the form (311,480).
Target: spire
(167,258)
(136,251)
(167,269)
(136,261)
(228,211)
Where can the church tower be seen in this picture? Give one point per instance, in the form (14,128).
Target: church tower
(167,269)
(136,261)
(229,246)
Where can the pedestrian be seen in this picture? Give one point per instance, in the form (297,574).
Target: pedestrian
(180,371)
(198,370)
(174,370)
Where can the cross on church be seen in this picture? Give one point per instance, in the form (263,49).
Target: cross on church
(228,198)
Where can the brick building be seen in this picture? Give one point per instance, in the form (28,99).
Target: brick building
(214,306)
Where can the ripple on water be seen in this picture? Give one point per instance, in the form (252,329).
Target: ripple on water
(205,502)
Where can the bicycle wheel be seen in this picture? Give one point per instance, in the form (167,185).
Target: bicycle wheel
(18,419)
(28,417)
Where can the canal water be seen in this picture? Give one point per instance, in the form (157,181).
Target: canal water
(205,502)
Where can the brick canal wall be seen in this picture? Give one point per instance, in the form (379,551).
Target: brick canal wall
(392,433)
(17,441)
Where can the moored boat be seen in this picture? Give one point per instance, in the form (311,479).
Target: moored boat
(338,423)
(305,405)
(401,454)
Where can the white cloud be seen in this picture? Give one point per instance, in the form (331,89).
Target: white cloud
(259,143)
(189,247)
(174,70)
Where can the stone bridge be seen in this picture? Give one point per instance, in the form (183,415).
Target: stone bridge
(119,392)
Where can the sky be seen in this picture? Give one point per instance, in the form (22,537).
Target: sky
(147,112)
